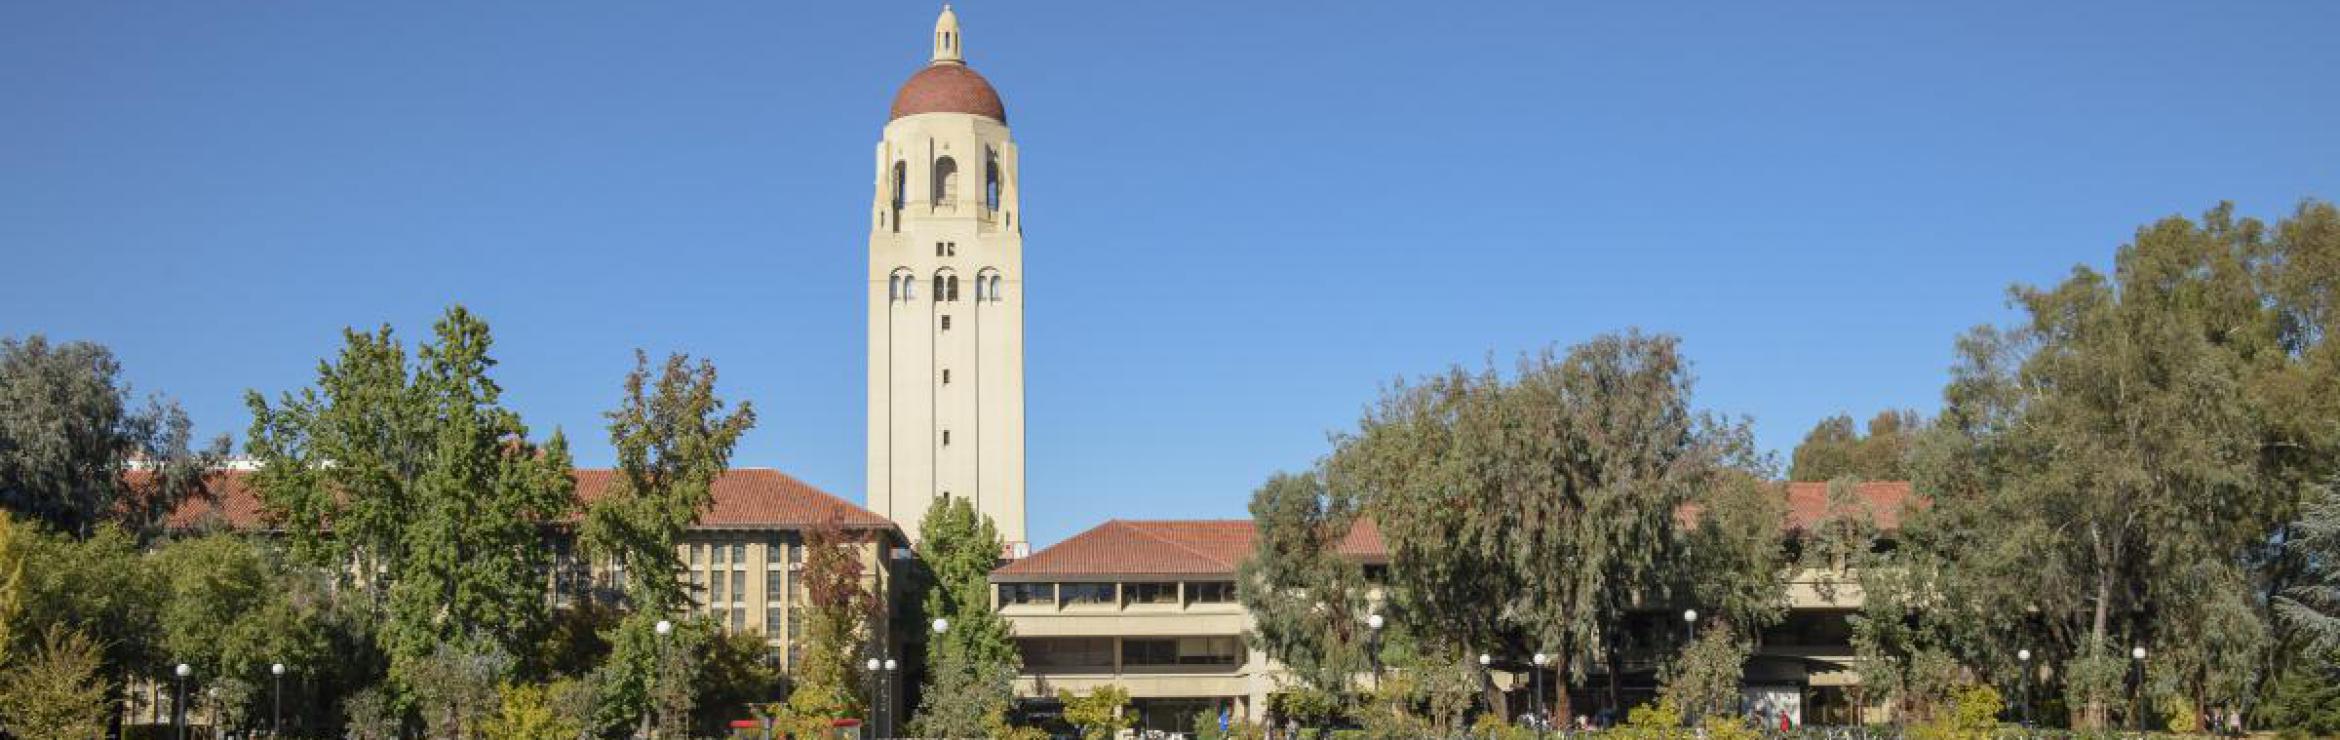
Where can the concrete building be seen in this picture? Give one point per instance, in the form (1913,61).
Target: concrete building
(1150,606)
(946,300)
(741,560)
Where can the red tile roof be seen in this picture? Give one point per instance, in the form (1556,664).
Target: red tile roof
(1165,548)
(1124,548)
(745,498)
(1884,500)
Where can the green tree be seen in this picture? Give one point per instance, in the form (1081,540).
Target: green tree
(2116,469)
(1098,714)
(455,687)
(540,712)
(1308,602)
(59,692)
(1834,449)
(426,481)
(1481,483)
(76,450)
(228,610)
(1705,679)
(98,587)
(971,666)
(673,438)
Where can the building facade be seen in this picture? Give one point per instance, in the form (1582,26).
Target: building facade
(1150,606)
(946,300)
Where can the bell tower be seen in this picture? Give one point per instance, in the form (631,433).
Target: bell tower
(946,300)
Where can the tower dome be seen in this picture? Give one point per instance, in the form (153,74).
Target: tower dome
(947,85)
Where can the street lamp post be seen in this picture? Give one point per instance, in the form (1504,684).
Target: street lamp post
(1373,623)
(2023,660)
(888,692)
(2137,689)
(658,676)
(1537,685)
(1690,618)
(876,702)
(179,704)
(276,725)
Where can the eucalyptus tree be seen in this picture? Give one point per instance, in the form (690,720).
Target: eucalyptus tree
(1482,484)
(2116,468)
(77,449)
(1310,604)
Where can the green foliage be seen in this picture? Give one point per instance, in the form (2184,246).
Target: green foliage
(1098,714)
(454,689)
(1972,714)
(1705,680)
(228,609)
(99,587)
(69,431)
(673,440)
(2312,606)
(58,692)
(2117,468)
(372,715)
(1307,602)
(540,712)
(1833,449)
(424,477)
(2306,699)
(1481,483)
(1419,696)
(1659,721)
(970,667)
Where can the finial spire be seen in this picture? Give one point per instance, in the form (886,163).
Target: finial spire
(947,38)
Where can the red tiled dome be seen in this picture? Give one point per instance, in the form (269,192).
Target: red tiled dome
(948,88)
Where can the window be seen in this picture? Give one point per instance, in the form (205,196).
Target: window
(1067,652)
(772,620)
(795,553)
(739,585)
(738,620)
(1087,593)
(739,553)
(1210,592)
(946,376)
(720,551)
(946,322)
(954,283)
(938,288)
(1150,593)
(946,180)
(946,437)
(1027,593)
(716,590)
(774,582)
(979,281)
(1181,651)
(938,249)
(894,288)
(991,180)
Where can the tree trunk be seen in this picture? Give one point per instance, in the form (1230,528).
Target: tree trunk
(2093,715)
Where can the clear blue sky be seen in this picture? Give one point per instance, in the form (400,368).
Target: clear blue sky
(1245,217)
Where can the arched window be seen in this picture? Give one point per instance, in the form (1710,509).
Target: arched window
(979,288)
(946,180)
(893,287)
(995,288)
(954,293)
(991,181)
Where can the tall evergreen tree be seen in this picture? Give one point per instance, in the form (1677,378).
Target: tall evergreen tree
(430,488)
(971,666)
